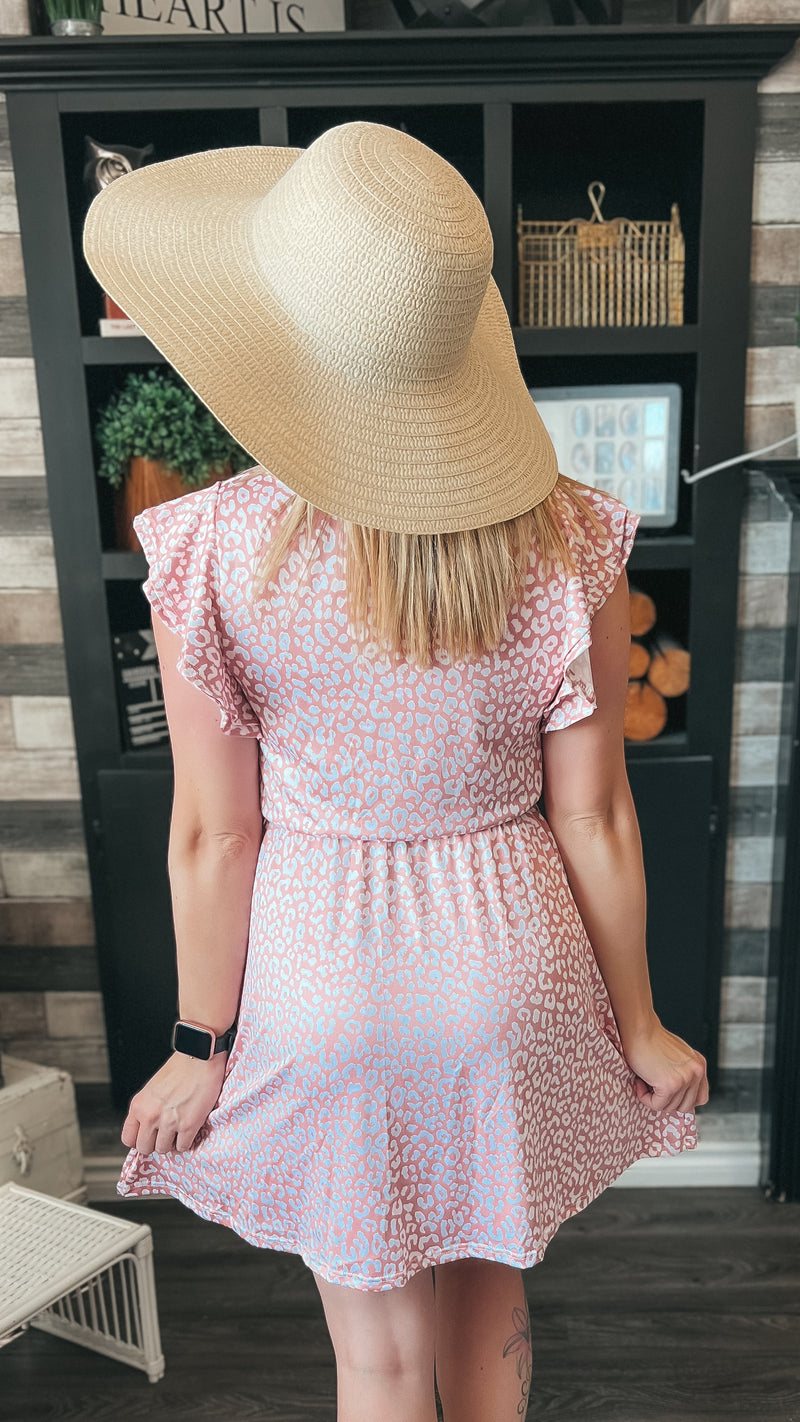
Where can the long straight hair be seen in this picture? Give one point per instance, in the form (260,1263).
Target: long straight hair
(411,594)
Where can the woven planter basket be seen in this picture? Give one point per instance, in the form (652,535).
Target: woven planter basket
(149,481)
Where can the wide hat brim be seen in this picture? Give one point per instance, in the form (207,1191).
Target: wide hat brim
(173,244)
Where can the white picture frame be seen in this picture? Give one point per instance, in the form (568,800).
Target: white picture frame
(622,439)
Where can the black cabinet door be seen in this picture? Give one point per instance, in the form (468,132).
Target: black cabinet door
(140,982)
(674,803)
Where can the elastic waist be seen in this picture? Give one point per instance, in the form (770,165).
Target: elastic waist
(417,838)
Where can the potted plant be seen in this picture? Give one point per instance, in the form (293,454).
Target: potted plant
(75,17)
(157,441)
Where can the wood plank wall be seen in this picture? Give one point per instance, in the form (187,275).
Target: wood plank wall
(50,1006)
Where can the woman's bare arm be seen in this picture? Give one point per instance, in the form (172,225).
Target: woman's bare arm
(215,837)
(589,807)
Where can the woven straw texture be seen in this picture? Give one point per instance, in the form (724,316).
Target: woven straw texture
(334,308)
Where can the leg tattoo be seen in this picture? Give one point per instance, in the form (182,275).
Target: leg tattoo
(520,1343)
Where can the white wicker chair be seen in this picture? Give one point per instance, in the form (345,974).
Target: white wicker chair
(79,1274)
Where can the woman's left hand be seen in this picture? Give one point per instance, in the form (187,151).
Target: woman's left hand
(173,1105)
(670,1074)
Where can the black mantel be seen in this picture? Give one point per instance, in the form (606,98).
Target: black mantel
(547,55)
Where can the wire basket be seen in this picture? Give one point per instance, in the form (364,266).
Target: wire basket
(589,272)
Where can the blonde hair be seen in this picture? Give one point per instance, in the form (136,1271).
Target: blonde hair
(414,593)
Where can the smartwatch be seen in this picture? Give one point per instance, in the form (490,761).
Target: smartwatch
(196,1041)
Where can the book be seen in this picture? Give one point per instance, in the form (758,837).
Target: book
(118,326)
(139,690)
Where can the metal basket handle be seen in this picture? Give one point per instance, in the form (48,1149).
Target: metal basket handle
(596,217)
(593,200)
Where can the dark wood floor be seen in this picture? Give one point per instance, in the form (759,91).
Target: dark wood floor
(652,1305)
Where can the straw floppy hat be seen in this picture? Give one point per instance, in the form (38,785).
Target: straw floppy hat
(334,309)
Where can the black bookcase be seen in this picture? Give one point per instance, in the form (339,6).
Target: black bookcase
(528,116)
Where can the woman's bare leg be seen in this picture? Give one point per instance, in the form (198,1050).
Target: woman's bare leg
(384,1350)
(484,1358)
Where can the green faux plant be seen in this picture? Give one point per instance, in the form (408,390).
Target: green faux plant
(74,10)
(157,415)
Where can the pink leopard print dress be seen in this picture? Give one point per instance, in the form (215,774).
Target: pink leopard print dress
(427,1065)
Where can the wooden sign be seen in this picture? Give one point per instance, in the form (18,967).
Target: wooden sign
(220,17)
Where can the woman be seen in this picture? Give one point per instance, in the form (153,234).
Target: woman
(416,1031)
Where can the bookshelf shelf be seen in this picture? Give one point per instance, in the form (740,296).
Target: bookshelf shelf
(491,102)
(605,340)
(119,350)
(667,551)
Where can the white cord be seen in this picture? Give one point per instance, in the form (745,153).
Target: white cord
(740,458)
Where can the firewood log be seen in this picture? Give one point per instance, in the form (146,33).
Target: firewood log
(670,665)
(645,712)
(643,612)
(639,661)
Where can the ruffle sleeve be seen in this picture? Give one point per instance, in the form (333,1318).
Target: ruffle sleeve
(600,564)
(179,541)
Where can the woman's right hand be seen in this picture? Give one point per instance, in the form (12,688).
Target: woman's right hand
(172,1106)
(670,1075)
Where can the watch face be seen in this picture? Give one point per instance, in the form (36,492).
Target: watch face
(192,1040)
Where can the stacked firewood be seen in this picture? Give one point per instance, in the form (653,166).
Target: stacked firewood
(659,670)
